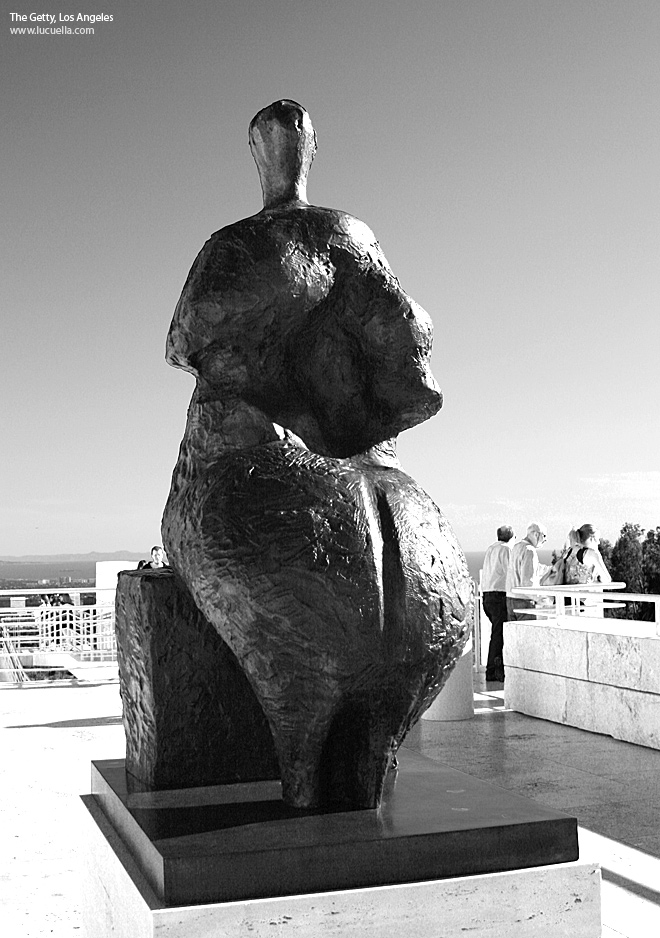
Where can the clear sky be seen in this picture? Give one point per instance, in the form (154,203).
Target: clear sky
(505,152)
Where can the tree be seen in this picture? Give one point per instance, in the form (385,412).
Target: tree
(651,561)
(627,566)
(605,548)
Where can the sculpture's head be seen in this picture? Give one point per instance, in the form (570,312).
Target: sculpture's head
(283,144)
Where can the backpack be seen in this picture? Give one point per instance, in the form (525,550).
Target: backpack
(577,573)
(556,575)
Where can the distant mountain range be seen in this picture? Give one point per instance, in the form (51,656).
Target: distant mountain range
(92,557)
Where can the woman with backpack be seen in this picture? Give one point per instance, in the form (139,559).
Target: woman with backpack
(583,562)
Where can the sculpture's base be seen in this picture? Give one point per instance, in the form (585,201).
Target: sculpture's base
(543,902)
(241,842)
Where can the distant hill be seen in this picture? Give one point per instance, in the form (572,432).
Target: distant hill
(92,557)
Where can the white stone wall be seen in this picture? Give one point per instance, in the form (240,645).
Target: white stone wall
(106,578)
(604,682)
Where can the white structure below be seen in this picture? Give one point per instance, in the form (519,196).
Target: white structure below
(544,902)
(456,699)
(107,572)
(602,676)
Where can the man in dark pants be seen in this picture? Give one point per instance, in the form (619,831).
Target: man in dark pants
(493,590)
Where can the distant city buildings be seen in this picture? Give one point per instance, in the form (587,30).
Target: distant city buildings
(7,602)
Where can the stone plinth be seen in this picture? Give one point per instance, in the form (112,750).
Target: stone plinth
(602,681)
(190,715)
(434,819)
(243,842)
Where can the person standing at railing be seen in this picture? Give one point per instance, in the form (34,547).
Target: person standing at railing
(556,574)
(525,569)
(63,620)
(493,591)
(584,563)
(572,545)
(158,560)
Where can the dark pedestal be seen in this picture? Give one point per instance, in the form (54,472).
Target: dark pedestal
(234,842)
(188,706)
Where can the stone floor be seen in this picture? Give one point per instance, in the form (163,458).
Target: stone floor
(50,735)
(612,787)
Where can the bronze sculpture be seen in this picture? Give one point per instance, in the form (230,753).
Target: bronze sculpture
(332,577)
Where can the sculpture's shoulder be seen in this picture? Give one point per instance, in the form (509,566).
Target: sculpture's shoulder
(284,258)
(258,248)
(343,232)
(264,249)
(244,272)
(275,233)
(234,252)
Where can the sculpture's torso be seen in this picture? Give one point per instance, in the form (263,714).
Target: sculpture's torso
(297,312)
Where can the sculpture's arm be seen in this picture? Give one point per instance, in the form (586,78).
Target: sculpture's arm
(223,284)
(249,288)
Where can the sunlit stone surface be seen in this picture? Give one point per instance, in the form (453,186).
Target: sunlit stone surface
(601,681)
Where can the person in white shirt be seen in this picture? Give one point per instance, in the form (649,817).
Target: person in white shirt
(525,569)
(493,591)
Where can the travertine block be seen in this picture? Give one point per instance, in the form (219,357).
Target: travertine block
(633,716)
(630,661)
(583,703)
(540,647)
(536,694)
(650,664)
(615,660)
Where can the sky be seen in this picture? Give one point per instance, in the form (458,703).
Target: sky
(506,153)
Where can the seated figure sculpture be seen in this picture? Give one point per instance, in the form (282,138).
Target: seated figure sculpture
(333,578)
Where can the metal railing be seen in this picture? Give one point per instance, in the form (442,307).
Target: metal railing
(583,604)
(37,641)
(575,606)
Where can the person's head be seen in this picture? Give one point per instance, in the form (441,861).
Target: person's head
(588,535)
(505,533)
(536,534)
(157,554)
(573,539)
(283,144)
